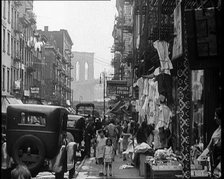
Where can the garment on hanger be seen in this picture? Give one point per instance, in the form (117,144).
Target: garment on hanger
(140,84)
(162,49)
(164,117)
(165,86)
(146,87)
(145,106)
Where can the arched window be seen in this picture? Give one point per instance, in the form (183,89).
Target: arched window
(77,67)
(86,70)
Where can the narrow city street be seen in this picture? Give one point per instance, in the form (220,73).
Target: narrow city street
(82,80)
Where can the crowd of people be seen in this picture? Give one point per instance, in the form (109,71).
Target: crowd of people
(123,135)
(119,137)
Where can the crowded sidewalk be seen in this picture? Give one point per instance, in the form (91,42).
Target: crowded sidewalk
(121,169)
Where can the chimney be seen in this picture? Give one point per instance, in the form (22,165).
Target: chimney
(46,28)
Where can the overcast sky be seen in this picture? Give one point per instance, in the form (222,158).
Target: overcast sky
(89,23)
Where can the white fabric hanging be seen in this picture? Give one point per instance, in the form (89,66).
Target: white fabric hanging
(164,117)
(162,49)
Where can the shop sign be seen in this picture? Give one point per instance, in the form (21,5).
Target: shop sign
(35,90)
(178,31)
(26,92)
(117,88)
(17,84)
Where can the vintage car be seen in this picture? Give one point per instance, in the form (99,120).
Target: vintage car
(35,133)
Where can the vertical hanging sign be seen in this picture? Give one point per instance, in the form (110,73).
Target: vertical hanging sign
(178,32)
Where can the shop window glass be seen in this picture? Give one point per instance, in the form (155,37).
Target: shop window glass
(197,106)
(197,130)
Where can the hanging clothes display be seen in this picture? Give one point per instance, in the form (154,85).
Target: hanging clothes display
(165,86)
(164,117)
(38,46)
(153,96)
(146,87)
(162,49)
(140,84)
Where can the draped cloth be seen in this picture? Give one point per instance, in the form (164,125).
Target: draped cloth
(162,49)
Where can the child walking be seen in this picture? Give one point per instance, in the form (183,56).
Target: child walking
(108,156)
(100,145)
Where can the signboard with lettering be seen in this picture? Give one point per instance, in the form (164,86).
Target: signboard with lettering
(34,90)
(117,88)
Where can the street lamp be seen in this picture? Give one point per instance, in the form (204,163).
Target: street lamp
(103,93)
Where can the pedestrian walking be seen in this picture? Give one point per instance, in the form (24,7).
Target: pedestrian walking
(100,145)
(112,133)
(119,139)
(21,172)
(89,134)
(125,135)
(108,157)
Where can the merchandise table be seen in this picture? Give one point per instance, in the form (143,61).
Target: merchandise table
(161,171)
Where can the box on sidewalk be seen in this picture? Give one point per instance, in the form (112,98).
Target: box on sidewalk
(162,171)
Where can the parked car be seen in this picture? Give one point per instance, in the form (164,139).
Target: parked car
(35,133)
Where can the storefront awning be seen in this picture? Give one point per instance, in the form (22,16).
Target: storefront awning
(118,108)
(115,108)
(6,100)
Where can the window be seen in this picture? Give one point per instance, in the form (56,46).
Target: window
(33,119)
(17,74)
(4,9)
(12,22)
(3,79)
(12,54)
(8,45)
(8,80)
(3,41)
(86,70)
(8,11)
(12,78)
(77,71)
(15,26)
(14,73)
(14,47)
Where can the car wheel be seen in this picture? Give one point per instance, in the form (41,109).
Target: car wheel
(29,150)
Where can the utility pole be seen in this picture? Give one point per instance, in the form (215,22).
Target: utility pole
(104,96)
(104,90)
